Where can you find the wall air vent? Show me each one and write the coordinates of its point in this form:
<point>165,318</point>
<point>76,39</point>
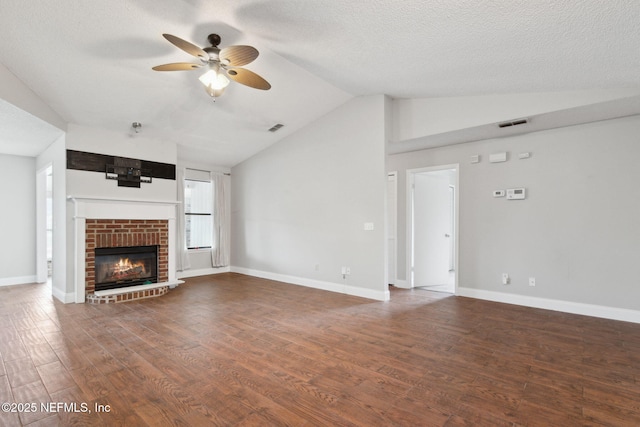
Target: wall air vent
<point>513,123</point>
<point>275,127</point>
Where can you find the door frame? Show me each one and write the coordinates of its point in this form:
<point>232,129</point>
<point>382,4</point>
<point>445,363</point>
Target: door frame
<point>392,230</point>
<point>410,179</point>
<point>41,223</point>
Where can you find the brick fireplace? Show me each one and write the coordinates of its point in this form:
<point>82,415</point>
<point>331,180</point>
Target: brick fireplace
<point>110,223</point>
<point>115,233</point>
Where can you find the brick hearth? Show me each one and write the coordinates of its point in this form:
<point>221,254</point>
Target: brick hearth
<point>110,233</point>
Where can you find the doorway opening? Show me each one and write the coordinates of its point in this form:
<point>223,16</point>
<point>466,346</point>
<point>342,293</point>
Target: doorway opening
<point>49,238</point>
<point>44,233</point>
<point>432,228</point>
<point>392,228</point>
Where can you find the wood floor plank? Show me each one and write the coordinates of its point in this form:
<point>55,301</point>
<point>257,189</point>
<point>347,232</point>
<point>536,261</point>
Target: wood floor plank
<point>41,354</point>
<point>22,322</point>
<point>628,398</point>
<point>13,349</point>
<point>79,410</point>
<point>7,418</point>
<point>21,372</point>
<point>5,389</point>
<point>468,417</point>
<point>32,336</point>
<point>10,419</point>
<point>120,412</point>
<point>49,421</point>
<point>91,381</point>
<point>55,376</point>
<point>569,402</point>
<point>408,412</point>
<point>102,359</point>
<point>33,393</point>
<point>233,350</point>
<point>72,357</point>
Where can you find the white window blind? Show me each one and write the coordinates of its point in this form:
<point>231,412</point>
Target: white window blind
<point>198,209</point>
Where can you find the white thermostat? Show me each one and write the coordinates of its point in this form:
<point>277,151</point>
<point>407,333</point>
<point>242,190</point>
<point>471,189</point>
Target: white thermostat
<point>516,193</point>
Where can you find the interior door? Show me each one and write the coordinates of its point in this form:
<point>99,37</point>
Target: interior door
<point>432,225</point>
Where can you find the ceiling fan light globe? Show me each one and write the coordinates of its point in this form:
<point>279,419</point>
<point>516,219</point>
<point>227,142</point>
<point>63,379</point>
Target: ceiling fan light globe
<point>214,93</point>
<point>214,80</point>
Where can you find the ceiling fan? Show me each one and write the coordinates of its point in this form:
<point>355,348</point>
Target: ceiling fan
<point>220,64</point>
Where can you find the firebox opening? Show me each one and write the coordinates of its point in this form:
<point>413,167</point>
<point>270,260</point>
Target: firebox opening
<point>121,267</point>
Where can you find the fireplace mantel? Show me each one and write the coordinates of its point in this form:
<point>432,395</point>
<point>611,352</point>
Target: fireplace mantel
<point>110,208</point>
<point>103,208</point>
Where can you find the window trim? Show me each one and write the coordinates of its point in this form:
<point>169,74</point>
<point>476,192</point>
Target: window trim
<point>210,214</point>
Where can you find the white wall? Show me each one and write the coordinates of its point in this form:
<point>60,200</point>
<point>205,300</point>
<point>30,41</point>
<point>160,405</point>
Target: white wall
<point>125,144</point>
<point>55,155</point>
<point>420,117</point>
<point>298,207</point>
<point>17,220</point>
<point>17,93</point>
<point>577,232</point>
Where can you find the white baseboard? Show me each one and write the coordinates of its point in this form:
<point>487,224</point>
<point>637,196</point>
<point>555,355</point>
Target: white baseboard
<point>201,272</point>
<point>593,310</point>
<point>316,284</point>
<point>402,284</point>
<point>20,280</point>
<point>66,298</point>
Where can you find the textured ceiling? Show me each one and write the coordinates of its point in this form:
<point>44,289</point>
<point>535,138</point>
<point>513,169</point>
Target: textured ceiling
<point>434,48</point>
<point>22,134</point>
<point>91,61</point>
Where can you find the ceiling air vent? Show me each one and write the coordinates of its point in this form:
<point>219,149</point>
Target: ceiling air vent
<point>513,123</point>
<point>275,127</point>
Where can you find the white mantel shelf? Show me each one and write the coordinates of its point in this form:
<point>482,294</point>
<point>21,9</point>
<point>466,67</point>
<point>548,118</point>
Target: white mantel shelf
<point>110,208</point>
<point>111,199</point>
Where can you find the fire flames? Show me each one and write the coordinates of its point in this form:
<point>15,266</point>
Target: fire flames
<point>125,269</point>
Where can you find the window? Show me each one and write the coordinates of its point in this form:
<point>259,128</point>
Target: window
<point>198,210</point>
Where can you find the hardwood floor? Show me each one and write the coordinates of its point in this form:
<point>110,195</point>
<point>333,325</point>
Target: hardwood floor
<point>234,350</point>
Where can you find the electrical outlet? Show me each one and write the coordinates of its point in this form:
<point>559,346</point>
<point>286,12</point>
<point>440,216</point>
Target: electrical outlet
<point>532,281</point>
<point>505,278</point>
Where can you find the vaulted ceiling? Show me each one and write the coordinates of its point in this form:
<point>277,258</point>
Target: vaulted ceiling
<point>91,61</point>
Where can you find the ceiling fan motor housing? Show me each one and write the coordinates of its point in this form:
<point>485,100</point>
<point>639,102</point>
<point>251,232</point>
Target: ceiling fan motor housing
<point>214,53</point>
<point>214,39</point>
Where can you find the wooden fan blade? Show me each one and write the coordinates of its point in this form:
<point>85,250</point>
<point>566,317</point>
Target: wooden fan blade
<point>248,78</point>
<point>190,48</point>
<point>177,66</point>
<point>237,56</point>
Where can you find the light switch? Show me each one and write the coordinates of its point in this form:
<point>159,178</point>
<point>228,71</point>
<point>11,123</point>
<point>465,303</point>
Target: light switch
<point>498,157</point>
<point>368,226</point>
